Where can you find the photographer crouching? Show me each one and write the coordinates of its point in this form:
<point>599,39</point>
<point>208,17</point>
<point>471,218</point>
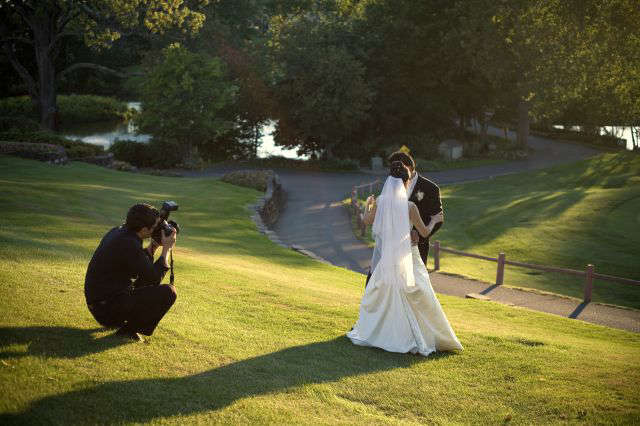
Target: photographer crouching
<point>122,286</point>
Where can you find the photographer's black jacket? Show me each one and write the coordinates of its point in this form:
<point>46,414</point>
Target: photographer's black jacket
<point>119,259</point>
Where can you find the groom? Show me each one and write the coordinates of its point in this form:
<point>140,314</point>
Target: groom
<point>426,195</point>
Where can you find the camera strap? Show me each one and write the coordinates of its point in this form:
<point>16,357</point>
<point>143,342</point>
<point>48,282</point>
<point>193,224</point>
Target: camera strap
<point>171,266</point>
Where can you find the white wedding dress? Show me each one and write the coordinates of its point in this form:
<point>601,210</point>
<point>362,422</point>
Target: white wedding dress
<point>399,311</point>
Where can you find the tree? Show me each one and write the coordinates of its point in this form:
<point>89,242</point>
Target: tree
<point>236,32</point>
<point>183,97</point>
<point>44,24</point>
<point>322,96</point>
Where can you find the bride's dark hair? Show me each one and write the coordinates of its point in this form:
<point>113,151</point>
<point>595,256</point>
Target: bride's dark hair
<point>397,170</point>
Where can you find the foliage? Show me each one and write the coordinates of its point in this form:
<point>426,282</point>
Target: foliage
<point>74,148</point>
<point>20,124</point>
<point>157,153</point>
<point>72,108</point>
<point>257,332</point>
<point>323,96</point>
<point>37,151</point>
<point>42,26</point>
<point>183,97</point>
<point>256,179</point>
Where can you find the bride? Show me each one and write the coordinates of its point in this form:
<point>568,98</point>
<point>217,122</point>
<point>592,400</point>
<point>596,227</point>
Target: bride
<point>399,311</point>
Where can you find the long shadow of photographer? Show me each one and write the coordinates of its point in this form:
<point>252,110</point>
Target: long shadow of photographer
<point>148,399</point>
<point>55,342</point>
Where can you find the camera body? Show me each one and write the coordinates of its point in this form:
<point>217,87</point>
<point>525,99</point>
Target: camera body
<point>164,225</point>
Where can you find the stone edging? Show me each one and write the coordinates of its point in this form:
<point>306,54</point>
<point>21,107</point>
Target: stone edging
<point>273,201</point>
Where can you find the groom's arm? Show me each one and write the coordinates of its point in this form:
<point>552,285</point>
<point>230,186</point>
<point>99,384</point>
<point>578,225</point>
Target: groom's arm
<point>436,208</point>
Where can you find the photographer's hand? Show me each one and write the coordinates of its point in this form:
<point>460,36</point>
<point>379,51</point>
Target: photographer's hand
<point>152,247</point>
<point>168,241</point>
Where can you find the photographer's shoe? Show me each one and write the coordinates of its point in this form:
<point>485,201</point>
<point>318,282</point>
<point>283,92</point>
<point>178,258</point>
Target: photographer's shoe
<point>128,334</point>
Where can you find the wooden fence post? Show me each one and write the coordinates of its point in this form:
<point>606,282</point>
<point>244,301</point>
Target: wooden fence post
<point>436,256</point>
<point>354,200</point>
<point>500,273</point>
<point>588,283</point>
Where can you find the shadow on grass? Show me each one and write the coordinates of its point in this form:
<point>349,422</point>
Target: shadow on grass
<point>55,342</point>
<point>149,399</point>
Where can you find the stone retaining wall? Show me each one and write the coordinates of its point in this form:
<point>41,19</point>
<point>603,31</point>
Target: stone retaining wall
<point>273,202</point>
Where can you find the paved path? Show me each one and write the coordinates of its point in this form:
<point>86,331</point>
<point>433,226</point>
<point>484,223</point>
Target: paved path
<point>315,219</point>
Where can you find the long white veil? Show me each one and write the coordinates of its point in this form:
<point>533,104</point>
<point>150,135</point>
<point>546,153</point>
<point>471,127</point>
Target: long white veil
<point>391,229</point>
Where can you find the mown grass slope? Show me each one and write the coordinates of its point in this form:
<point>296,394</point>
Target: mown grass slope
<point>257,332</point>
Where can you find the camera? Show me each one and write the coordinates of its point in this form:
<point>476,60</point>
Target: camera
<point>164,225</point>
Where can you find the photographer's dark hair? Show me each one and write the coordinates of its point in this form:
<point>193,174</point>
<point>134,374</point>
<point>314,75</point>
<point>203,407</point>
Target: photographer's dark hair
<point>404,158</point>
<point>141,215</point>
<point>398,170</point>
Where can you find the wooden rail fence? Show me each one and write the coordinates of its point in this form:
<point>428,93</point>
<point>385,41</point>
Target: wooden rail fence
<point>589,273</point>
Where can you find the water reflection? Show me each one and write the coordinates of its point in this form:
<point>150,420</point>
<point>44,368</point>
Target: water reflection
<point>106,133</point>
<point>268,148</point>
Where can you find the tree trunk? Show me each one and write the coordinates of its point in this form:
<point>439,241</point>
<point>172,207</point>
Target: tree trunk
<point>256,140</point>
<point>484,127</point>
<point>523,123</point>
<point>47,102</point>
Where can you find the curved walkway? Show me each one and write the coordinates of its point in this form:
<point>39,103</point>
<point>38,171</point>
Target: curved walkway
<point>316,220</point>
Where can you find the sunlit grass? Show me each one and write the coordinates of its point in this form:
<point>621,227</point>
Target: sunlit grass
<point>257,332</point>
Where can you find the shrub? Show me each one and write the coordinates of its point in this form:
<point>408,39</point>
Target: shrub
<point>72,108</point>
<point>17,106</point>
<point>157,153</point>
<point>75,149</point>
<point>88,108</point>
<point>21,124</point>
<point>256,179</point>
<point>35,151</point>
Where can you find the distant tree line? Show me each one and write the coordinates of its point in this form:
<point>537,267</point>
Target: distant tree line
<point>341,78</point>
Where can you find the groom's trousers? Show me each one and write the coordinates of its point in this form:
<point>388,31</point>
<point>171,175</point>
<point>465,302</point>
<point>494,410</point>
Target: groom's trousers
<point>423,248</point>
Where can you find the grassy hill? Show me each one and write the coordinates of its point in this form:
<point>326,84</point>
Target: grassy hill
<point>257,332</point>
<point>567,216</point>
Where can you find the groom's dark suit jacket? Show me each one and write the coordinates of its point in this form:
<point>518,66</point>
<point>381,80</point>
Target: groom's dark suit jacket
<point>426,195</point>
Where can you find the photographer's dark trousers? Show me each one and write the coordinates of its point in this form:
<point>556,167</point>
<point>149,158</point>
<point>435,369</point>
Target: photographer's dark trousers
<point>139,310</point>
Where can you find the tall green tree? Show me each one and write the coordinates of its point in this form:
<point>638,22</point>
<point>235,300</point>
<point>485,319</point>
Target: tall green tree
<point>184,97</point>
<point>42,25</point>
<point>322,96</point>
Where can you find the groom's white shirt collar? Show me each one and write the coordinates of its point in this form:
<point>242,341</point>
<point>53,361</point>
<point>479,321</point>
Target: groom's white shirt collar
<point>412,183</point>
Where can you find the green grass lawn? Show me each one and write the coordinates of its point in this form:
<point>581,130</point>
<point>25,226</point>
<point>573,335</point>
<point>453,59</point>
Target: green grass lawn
<point>567,216</point>
<point>257,332</point>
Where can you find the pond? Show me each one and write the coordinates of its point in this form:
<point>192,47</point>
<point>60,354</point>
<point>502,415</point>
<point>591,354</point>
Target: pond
<point>104,134</point>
